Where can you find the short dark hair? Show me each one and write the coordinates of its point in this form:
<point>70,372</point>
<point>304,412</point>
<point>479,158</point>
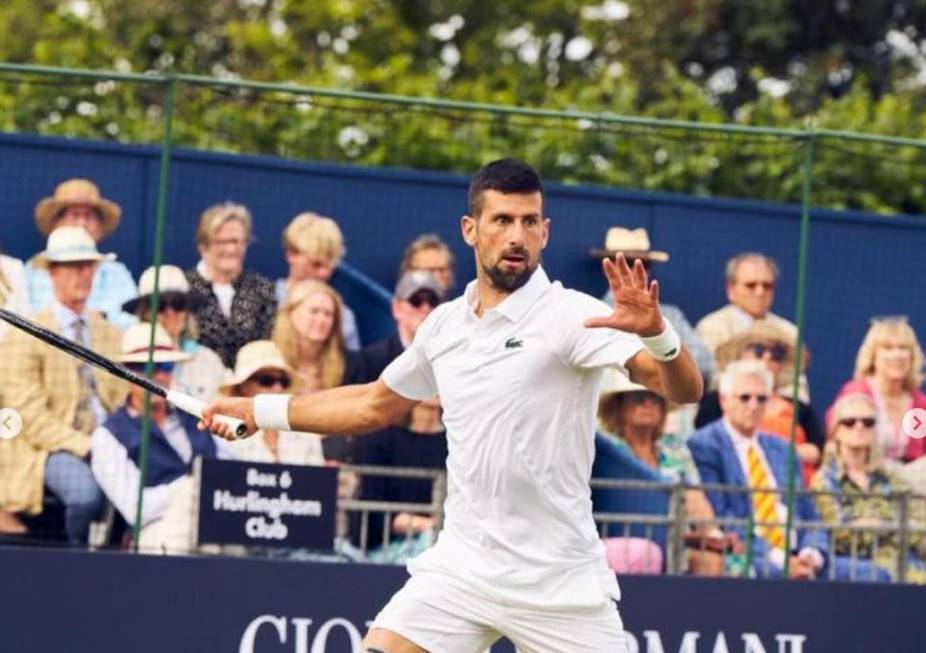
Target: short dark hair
<point>504,176</point>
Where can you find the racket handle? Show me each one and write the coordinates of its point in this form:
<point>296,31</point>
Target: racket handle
<point>195,407</point>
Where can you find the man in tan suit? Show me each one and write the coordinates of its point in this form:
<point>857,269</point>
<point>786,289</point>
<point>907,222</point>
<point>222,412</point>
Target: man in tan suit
<point>751,282</point>
<point>61,399</point>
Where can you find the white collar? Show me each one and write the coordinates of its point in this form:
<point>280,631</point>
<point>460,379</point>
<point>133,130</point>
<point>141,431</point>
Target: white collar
<point>515,305</point>
<point>65,316</point>
<point>739,438</point>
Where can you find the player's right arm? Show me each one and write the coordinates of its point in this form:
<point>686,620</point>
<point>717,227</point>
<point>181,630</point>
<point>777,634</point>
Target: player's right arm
<point>347,410</point>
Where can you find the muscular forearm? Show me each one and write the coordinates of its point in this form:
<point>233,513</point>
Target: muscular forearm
<point>680,378</point>
<point>348,410</point>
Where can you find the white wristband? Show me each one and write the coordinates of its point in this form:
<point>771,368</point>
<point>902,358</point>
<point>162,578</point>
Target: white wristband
<point>666,346</point>
<point>272,412</point>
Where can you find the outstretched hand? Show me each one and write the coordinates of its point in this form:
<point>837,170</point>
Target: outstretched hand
<point>241,408</point>
<point>636,299</point>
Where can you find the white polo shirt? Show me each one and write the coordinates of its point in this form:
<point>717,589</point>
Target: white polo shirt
<point>519,388</point>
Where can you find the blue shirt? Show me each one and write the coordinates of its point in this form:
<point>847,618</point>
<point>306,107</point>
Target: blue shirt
<point>112,287</point>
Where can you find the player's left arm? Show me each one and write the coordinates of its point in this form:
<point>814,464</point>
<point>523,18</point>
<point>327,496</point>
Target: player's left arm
<point>665,365</point>
<point>678,380</point>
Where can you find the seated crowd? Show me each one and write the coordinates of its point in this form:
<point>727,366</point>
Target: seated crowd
<point>221,328</point>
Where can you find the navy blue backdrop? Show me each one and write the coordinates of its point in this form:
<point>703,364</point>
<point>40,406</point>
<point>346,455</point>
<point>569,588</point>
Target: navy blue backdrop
<point>95,603</point>
<point>860,265</point>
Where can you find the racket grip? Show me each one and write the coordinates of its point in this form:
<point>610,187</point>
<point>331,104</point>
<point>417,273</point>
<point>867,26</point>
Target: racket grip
<point>195,407</point>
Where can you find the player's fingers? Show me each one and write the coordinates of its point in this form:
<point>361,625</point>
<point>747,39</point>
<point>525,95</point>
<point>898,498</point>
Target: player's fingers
<point>654,290</point>
<point>610,273</point>
<point>597,322</point>
<point>623,270</point>
<point>639,274</point>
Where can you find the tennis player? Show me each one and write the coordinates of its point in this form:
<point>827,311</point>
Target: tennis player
<point>517,362</point>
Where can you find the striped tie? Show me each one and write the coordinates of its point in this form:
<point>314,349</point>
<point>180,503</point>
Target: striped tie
<point>763,503</point>
<point>84,419</point>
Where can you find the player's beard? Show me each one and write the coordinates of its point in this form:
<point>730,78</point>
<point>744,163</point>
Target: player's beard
<point>510,281</point>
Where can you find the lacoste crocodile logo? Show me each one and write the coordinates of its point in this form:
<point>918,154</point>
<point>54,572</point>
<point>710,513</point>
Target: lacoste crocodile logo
<point>514,343</point>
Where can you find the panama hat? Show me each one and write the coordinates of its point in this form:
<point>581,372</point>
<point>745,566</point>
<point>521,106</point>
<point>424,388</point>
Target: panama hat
<point>69,245</point>
<point>633,243</point>
<point>254,356</point>
<point>76,191</point>
<point>172,280</point>
<point>136,345</point>
<point>761,331</point>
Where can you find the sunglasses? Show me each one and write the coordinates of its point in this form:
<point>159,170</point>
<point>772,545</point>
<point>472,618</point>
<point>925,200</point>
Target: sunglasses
<point>746,397</point>
<point>638,397</point>
<point>175,302</point>
<point>270,380</point>
<point>850,422</point>
<point>766,285</point>
<point>778,352</point>
<point>165,368</point>
<point>423,297</point>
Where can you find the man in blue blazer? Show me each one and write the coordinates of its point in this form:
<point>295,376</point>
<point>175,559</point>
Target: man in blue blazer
<point>732,449</point>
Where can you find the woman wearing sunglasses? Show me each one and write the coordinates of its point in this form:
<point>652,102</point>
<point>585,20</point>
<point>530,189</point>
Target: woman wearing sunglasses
<point>889,369</point>
<point>261,369</point>
<point>202,372</point>
<point>862,486</point>
<point>634,417</point>
<point>766,343</point>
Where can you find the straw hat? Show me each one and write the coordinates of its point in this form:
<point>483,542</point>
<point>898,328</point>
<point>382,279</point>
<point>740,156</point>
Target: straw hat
<point>76,191</point>
<point>254,356</point>
<point>761,331</point>
<point>136,343</point>
<point>69,245</point>
<point>633,243</point>
<point>172,280</point>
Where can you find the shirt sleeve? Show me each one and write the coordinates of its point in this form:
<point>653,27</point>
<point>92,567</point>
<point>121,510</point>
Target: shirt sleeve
<point>588,348</point>
<point>411,374</point>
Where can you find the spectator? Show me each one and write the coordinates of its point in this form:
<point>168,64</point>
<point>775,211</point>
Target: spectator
<point>14,291</point>
<point>201,372</point>
<point>635,245</point>
<point>732,451</point>
<point>431,254</point>
<point>862,488</point>
<point>422,443</point>
<point>174,441</point>
<point>308,332</point>
<point>60,398</point>
<point>751,281</point>
<point>634,417</point>
<point>260,368</point>
<point>78,203</point>
<point>234,305</point>
<point>767,343</point>
<point>889,369</point>
<point>314,246</point>
<point>416,294</point>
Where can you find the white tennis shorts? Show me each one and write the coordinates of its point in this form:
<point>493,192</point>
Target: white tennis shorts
<point>442,615</point>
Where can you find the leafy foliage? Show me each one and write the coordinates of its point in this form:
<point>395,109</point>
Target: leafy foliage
<point>782,63</point>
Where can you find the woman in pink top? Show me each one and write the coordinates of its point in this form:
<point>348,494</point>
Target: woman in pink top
<point>889,369</point>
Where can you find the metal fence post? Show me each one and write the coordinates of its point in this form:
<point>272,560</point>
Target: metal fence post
<point>163,179</point>
<point>903,514</point>
<point>809,146</point>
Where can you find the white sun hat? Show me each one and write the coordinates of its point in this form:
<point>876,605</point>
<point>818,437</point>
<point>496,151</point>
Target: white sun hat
<point>254,356</point>
<point>136,343</point>
<point>69,245</point>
